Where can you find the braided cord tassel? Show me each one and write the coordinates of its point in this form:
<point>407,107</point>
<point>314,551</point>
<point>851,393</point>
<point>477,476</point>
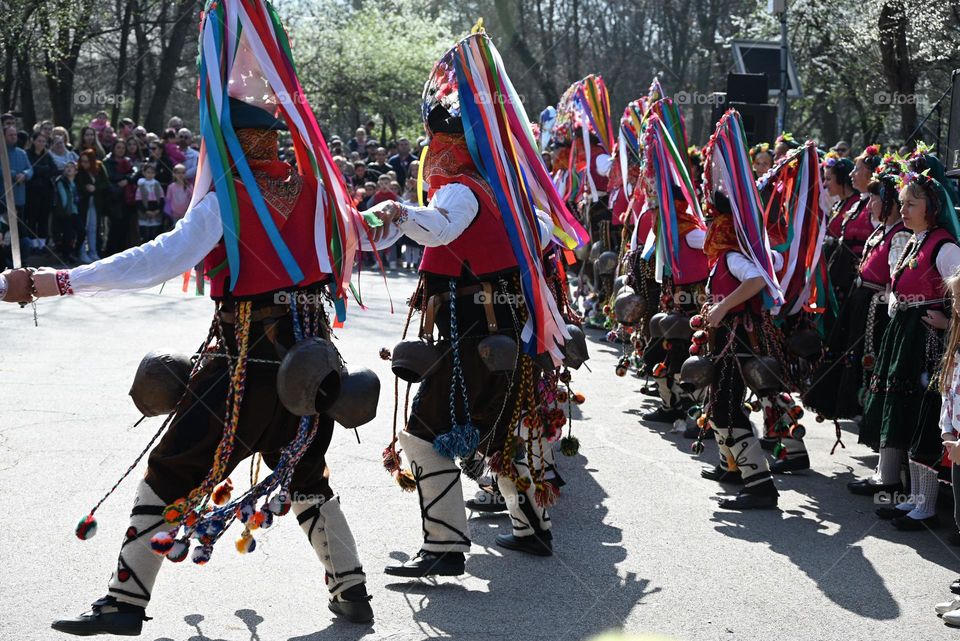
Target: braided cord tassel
<point>463,438</point>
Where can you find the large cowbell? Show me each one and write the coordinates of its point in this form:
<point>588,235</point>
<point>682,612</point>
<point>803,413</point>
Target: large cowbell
<point>312,380</point>
<point>160,381</point>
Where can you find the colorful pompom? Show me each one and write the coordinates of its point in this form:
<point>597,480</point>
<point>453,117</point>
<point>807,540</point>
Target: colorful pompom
<point>385,354</point>
<point>569,445</point>
<point>173,513</point>
<point>202,554</point>
<point>256,520</point>
<point>161,543</point>
<point>86,528</point>
<point>178,552</point>
<point>221,493</point>
<point>244,511</point>
<point>246,543</point>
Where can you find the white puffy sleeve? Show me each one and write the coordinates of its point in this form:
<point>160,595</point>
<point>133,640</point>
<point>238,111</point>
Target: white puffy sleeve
<point>742,267</point>
<point>449,213</point>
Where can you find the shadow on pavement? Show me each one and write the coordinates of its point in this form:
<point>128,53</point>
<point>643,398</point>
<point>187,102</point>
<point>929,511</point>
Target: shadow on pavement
<point>574,594</point>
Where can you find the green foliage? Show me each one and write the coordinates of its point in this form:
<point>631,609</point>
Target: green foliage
<point>366,60</point>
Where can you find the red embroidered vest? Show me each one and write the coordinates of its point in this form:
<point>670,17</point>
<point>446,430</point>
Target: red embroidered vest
<point>919,280</point>
<point>721,283</point>
<point>483,248</point>
<point>693,265</point>
<point>261,271</point>
<point>835,226</point>
<point>875,265</point>
<point>858,227</point>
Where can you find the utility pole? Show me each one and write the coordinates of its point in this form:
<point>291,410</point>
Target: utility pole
<point>779,8</point>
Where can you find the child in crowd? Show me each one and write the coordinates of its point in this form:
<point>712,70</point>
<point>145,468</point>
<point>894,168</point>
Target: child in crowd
<point>66,210</point>
<point>384,191</point>
<point>178,195</point>
<point>149,204</point>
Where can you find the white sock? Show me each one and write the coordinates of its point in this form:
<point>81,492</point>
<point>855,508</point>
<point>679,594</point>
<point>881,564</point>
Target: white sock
<point>923,490</point>
<point>888,468</point>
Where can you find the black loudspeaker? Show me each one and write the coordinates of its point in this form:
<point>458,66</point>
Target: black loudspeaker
<point>719,101</point>
<point>747,87</point>
<point>952,159</point>
<point>759,121</point>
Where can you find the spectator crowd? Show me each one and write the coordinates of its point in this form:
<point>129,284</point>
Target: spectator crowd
<point>112,187</point>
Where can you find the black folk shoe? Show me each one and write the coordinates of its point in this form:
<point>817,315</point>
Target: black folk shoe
<point>749,501</point>
<point>106,616</point>
<point>353,605</point>
<point>865,488</point>
<point>721,475</point>
<point>538,544</point>
<point>429,564</point>
<point>890,512</point>
<point>798,464</point>
<point>907,524</point>
<point>663,415</point>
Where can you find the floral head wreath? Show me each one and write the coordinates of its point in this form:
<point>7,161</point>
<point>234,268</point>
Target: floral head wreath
<point>922,178</point>
<point>761,148</point>
<point>787,138</point>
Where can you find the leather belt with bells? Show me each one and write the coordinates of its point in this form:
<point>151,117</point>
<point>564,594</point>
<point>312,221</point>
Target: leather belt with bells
<point>428,320</point>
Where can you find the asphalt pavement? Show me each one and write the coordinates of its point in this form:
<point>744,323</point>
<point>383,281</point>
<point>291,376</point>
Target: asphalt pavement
<point>640,543</point>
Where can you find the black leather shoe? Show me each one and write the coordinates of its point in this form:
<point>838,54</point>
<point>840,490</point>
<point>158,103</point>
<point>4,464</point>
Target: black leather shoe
<point>540,544</point>
<point>721,475</point>
<point>488,500</point>
<point>748,501</point>
<point>955,586</point>
<point>906,524</point>
<point>954,539</point>
<point>106,616</point>
<point>865,488</point>
<point>889,513</point>
<point>663,415</point>
<point>650,390</point>
<point>797,464</point>
<point>429,564</point>
<point>353,605</point>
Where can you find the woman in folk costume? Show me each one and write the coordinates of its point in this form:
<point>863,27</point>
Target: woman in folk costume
<point>676,251</point>
<point>741,286</point>
<point>839,384</point>
<point>484,291</point>
<point>264,379</point>
<point>854,226</point>
<point>902,407</point>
